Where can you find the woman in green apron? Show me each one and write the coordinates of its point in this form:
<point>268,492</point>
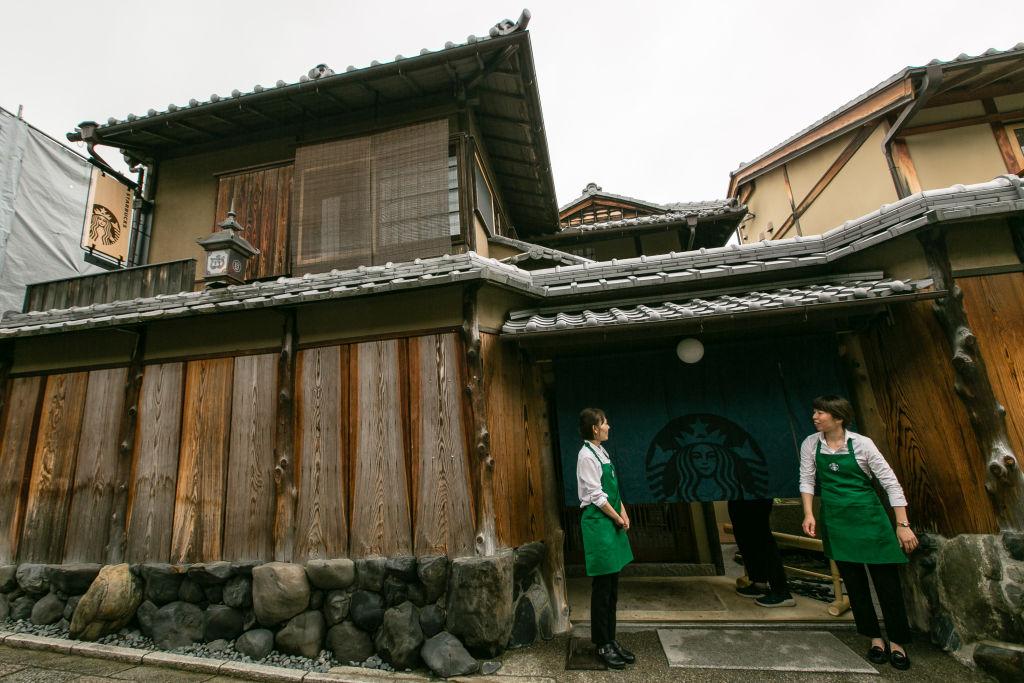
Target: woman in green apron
<point>854,527</point>
<point>605,543</point>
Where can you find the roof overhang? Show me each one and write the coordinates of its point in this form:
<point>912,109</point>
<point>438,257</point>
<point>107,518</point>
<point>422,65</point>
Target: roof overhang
<point>493,76</point>
<point>990,74</point>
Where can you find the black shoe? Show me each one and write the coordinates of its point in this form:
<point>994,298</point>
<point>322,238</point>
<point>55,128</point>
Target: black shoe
<point>754,590</point>
<point>899,660</point>
<point>775,600</point>
<point>611,658</point>
<point>878,655</point>
<point>626,656</point>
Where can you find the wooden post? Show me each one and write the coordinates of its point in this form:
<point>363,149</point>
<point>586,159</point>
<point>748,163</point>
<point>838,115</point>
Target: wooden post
<point>284,445</point>
<point>117,533</point>
<point>1004,481</point>
<point>486,536</point>
<point>554,536</point>
<point>1016,224</point>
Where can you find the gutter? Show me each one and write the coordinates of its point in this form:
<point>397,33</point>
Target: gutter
<point>929,86</point>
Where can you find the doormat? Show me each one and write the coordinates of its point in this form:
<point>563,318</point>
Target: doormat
<point>760,650</point>
<point>643,595</point>
<point>582,656</point>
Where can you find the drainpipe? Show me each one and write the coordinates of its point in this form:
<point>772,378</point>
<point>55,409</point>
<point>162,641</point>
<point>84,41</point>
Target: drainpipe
<point>929,86</point>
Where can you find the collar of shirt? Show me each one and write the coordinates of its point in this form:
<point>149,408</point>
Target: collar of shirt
<point>598,451</point>
<point>847,435</point>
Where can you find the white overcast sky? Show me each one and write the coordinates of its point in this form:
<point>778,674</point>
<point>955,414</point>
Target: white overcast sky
<point>657,100</point>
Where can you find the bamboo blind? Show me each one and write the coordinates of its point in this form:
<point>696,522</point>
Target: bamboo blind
<point>371,200</point>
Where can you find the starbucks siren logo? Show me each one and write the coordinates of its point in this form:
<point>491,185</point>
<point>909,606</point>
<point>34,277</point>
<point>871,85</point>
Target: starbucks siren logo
<point>705,457</point>
<point>104,227</point>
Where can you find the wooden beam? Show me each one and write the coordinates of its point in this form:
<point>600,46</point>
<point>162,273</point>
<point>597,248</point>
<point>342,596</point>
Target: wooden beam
<point>1004,480</point>
<point>486,533</point>
<point>988,117</point>
<point>1013,69</point>
<point>905,165</point>
<point>844,157</point>
<point>792,204</point>
<point>117,532</point>
<point>285,491</point>
<point>1011,87</point>
<point>1001,137</point>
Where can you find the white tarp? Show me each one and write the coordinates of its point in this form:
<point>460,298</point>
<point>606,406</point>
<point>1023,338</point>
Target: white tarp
<point>43,191</point>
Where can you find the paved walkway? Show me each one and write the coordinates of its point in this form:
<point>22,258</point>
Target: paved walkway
<point>543,663</point>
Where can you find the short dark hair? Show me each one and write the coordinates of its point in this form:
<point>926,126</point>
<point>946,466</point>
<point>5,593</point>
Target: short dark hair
<point>590,418</point>
<point>836,406</point>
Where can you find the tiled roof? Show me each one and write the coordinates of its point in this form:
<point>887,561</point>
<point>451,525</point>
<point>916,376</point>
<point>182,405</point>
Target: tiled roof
<point>898,76</point>
<point>676,215</point>
<point>536,252</point>
<point>730,305</point>
<point>285,291</point>
<point>701,208</point>
<point>685,270</point>
<point>1003,195</point>
<point>322,71</point>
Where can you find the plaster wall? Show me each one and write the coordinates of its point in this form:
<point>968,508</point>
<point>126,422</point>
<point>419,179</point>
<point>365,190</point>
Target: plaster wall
<point>947,112</point>
<point>661,243</point>
<point>88,349</point>
<point>1010,102</point>
<point>186,196</point>
<point>381,316</point>
<point>769,205</point>
<point>956,156</point>
<point>225,334</point>
<point>862,186</point>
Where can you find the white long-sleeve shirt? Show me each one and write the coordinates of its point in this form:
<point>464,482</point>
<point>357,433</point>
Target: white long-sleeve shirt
<point>588,476</point>
<point>868,457</point>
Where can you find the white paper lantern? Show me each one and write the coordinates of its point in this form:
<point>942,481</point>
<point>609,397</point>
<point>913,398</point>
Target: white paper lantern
<point>690,350</point>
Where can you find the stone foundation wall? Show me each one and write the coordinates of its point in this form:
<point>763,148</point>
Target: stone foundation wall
<point>407,611</point>
<point>968,591</point>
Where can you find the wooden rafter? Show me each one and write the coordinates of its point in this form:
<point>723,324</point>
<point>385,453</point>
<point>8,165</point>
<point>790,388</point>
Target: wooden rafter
<point>988,117</point>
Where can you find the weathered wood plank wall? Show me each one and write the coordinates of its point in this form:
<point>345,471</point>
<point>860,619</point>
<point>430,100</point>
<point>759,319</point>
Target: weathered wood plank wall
<point>442,510</point>
<point>155,464</point>
<point>518,498</point>
<point>21,413</point>
<point>382,456</point>
<point>381,522</point>
<point>249,510</point>
<point>995,309</point>
<point>96,473</point>
<point>202,462</point>
<point>53,468</point>
<point>321,519</point>
<point>928,438</point>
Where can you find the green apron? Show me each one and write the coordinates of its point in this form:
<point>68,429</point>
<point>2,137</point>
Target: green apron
<point>854,526</point>
<point>605,546</point>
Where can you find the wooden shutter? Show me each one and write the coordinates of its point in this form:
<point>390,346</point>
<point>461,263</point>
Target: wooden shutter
<point>262,202</point>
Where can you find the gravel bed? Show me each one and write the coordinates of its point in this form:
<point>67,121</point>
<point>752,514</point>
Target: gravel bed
<point>221,649</point>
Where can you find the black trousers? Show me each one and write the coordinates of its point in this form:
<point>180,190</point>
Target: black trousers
<point>751,525</point>
<point>604,598</point>
<point>886,578</point>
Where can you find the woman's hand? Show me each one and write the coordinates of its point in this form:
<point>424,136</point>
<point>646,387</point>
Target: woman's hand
<point>810,528</point>
<point>907,538</point>
<point>625,518</point>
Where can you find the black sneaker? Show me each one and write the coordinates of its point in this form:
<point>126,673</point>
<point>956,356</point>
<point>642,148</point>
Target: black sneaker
<point>627,656</point>
<point>772,600</point>
<point>754,590</point>
<point>611,658</point>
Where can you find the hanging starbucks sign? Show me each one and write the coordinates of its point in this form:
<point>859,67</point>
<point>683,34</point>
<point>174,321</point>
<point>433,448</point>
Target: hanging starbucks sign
<point>108,214</point>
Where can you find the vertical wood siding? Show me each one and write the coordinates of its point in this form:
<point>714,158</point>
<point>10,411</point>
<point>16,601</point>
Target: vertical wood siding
<point>202,462</point>
<point>929,440</point>
<point>249,513</point>
<point>382,461</point>
<point>19,425</point>
<point>995,309</point>
<point>53,468</point>
<point>443,515</point>
<point>518,497</point>
<point>380,502</point>
<point>321,519</point>
<point>155,464</point>
<point>96,471</point>
<point>262,201</point>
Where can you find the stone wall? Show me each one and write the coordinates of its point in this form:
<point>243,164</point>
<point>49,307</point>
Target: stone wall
<point>967,593</point>
<point>407,611</point>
